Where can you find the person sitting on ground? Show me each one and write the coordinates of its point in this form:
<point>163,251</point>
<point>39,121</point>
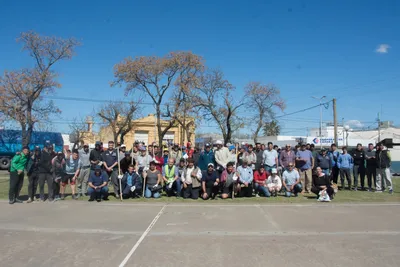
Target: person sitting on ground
<point>274,182</point>
<point>260,182</point>
<point>131,183</point>
<point>153,182</point>
<point>210,182</point>
<point>181,166</point>
<point>291,181</point>
<point>97,182</point>
<point>245,175</point>
<point>171,179</point>
<point>228,180</point>
<point>126,162</point>
<point>321,182</point>
<point>191,179</point>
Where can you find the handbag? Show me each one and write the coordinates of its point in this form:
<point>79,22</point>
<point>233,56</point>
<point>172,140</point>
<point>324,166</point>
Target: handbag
<point>155,188</point>
<point>323,196</point>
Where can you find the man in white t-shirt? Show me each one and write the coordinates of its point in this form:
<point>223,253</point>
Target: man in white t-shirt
<point>270,158</point>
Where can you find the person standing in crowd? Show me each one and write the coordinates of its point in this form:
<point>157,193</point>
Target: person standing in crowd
<point>259,154</point>
<point>33,174</point>
<point>321,182</point>
<point>72,167</point>
<point>263,147</point>
<point>172,179</point>
<point>210,183</point>
<point>166,156</point>
<point>345,164</point>
<point>260,182</point>
<point>45,172</point>
<point>58,167</point>
<point>233,156</point>
<point>305,162</point>
<point>95,155</point>
<point>291,181</point>
<point>334,155</point>
<point>158,159</point>
<point>143,162</point>
<point>97,183</point>
<point>270,158</point>
<point>110,165</point>
<point>191,180</point>
<point>383,174</point>
<point>274,183</point>
<point>196,156</point>
<point>245,184</point>
<point>222,156</point>
<point>84,172</point>
<point>287,157</point>
<point>228,180</point>
<point>314,152</point>
<point>153,181</point>
<point>135,151</point>
<point>251,157</point>
<point>371,166</point>
<point>190,150</point>
<point>241,156</point>
<point>131,183</point>
<point>358,166</point>
<point>126,161</point>
<point>18,165</point>
<point>175,153</point>
<point>122,150</point>
<point>323,161</point>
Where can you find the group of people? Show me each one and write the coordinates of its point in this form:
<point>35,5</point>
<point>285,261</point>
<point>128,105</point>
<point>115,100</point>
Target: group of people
<point>185,171</point>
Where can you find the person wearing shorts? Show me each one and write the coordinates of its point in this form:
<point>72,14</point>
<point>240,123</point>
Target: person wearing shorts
<point>72,168</point>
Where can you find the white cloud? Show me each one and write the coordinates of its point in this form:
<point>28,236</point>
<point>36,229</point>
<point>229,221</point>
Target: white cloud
<point>355,123</point>
<point>382,49</point>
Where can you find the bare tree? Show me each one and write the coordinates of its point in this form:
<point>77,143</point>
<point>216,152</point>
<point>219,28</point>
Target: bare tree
<point>119,116</point>
<point>77,127</point>
<point>266,100</point>
<point>213,97</point>
<point>22,90</point>
<point>155,76</point>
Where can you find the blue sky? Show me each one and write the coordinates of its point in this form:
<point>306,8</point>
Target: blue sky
<point>306,48</point>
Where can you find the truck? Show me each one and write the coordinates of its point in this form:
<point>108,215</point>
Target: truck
<point>11,143</point>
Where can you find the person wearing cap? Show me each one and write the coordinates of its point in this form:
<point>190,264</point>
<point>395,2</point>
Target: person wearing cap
<point>172,181</point>
<point>222,156</point>
<point>359,157</point>
<point>131,183</point>
<point>270,158</point>
<point>97,183</point>
<point>175,153</point>
<point>45,172</point>
<point>58,167</point>
<point>345,164</point>
<point>210,182</point>
<point>166,156</point>
<point>383,175</point>
<point>72,167</point>
<point>95,156</point>
<point>334,155</point>
<point>126,161</point>
<point>153,182</point>
<point>245,181</point>
<point>233,155</point>
<point>191,180</point>
<point>260,182</point>
<point>33,174</point>
<point>135,151</point>
<point>371,166</point>
<point>291,181</point>
<point>110,166</point>
<point>84,172</point>
<point>144,159</point>
<point>323,161</point>
<point>274,183</point>
<point>206,157</point>
<point>18,166</point>
<point>305,163</point>
<point>122,151</point>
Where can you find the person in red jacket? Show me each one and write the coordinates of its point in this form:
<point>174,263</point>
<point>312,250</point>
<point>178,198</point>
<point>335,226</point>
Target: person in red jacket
<point>260,182</point>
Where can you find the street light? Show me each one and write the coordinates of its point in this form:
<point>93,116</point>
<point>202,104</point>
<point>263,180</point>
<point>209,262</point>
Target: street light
<point>347,129</point>
<point>320,114</point>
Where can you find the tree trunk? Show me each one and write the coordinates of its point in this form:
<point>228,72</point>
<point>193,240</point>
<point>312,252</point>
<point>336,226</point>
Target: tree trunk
<point>160,133</point>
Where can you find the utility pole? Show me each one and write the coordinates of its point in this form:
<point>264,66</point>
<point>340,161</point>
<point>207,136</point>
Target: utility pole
<point>335,133</point>
<point>379,127</point>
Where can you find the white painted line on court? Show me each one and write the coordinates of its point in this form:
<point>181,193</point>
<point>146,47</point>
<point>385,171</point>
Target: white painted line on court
<point>142,237</point>
<point>268,217</point>
<point>13,228</point>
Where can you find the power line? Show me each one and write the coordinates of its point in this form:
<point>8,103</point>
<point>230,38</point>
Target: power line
<point>81,99</point>
<point>299,111</point>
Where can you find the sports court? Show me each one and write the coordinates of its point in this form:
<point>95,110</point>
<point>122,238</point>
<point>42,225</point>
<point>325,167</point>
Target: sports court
<point>74,233</point>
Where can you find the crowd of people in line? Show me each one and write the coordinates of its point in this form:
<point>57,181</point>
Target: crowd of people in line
<point>224,171</point>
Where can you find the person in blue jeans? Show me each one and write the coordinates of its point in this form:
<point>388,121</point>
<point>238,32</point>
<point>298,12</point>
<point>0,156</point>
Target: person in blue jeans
<point>98,185</point>
<point>291,181</point>
<point>260,182</point>
<point>153,180</point>
<point>345,164</point>
<point>172,181</point>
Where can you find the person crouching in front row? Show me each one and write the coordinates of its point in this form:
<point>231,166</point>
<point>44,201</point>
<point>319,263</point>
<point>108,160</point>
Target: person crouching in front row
<point>210,182</point>
<point>274,182</point>
<point>98,185</point>
<point>321,182</point>
<point>131,183</point>
<point>245,175</point>
<point>191,179</point>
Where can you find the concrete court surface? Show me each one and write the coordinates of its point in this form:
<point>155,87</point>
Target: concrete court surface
<point>194,234</point>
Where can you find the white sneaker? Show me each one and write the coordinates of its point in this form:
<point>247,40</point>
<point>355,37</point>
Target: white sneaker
<point>257,195</point>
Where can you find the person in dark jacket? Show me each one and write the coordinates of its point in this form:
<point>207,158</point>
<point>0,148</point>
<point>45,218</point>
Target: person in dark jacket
<point>126,162</point>
<point>196,156</point>
<point>358,166</point>
<point>210,182</point>
<point>323,161</point>
<point>383,174</point>
<point>321,182</point>
<point>45,172</point>
<point>33,174</point>
<point>97,182</point>
<point>259,154</point>
<point>371,166</point>
<point>95,155</point>
<point>206,157</point>
<point>131,183</point>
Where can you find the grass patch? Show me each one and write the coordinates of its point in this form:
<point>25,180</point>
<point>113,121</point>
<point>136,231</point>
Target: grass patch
<point>341,197</point>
